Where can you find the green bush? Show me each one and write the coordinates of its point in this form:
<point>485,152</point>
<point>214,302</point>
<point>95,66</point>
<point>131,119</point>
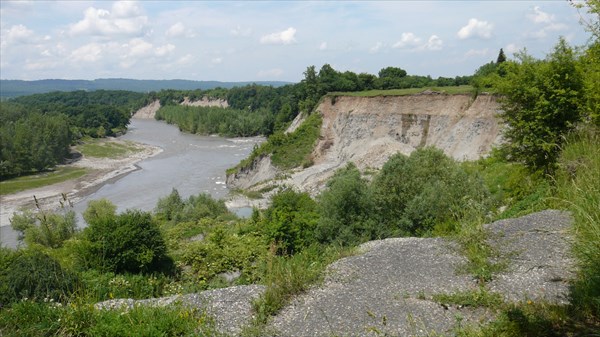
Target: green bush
<point>173,208</point>
<point>129,242</point>
<point>49,229</point>
<point>290,221</point>
<point>32,274</point>
<point>223,250</point>
<point>413,194</point>
<point>346,209</point>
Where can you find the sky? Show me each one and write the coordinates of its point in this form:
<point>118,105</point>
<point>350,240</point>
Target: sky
<point>271,41</point>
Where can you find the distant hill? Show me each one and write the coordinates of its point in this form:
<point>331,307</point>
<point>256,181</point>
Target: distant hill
<point>15,88</point>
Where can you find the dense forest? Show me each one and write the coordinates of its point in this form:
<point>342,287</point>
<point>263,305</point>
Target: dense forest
<point>36,131</point>
<point>551,159</point>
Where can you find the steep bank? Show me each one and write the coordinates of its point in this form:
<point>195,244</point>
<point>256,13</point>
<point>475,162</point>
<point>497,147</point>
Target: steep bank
<point>368,130</point>
<point>149,111</point>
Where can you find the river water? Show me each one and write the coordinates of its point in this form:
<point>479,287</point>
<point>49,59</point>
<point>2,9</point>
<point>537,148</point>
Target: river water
<point>189,163</point>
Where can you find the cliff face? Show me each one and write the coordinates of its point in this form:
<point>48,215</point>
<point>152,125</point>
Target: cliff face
<point>368,130</point>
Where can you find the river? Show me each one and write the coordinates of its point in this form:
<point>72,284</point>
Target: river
<point>189,163</point>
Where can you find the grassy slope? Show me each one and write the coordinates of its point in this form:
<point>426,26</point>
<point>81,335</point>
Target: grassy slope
<point>40,179</point>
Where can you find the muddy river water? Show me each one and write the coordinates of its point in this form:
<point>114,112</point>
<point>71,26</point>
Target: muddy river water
<point>189,163</point>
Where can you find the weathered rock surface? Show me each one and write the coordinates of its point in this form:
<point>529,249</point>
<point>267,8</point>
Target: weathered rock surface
<point>384,289</point>
<point>231,307</point>
<point>540,263</point>
<point>387,289</point>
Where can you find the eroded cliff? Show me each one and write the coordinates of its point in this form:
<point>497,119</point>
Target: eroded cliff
<point>368,130</point>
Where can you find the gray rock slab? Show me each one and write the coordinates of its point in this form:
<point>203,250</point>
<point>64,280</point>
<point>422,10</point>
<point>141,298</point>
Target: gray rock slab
<point>384,290</point>
<point>231,307</point>
<point>540,260</point>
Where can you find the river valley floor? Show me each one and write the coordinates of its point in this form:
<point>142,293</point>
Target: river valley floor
<point>100,172</point>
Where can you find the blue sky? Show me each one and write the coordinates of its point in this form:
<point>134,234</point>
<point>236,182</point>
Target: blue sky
<point>251,41</point>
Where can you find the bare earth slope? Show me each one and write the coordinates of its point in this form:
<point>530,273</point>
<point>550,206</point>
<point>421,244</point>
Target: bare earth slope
<point>368,130</point>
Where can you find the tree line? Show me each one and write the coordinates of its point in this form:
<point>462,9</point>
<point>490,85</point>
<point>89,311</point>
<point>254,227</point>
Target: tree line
<point>36,131</point>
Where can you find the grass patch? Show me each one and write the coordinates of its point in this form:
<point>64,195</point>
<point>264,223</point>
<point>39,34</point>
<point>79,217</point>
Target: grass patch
<point>454,90</point>
<point>473,298</point>
<point>483,260</point>
<point>578,190</point>
<point>104,149</point>
<point>40,179</point>
<point>534,319</point>
<point>287,150</point>
<point>29,318</point>
<point>287,276</point>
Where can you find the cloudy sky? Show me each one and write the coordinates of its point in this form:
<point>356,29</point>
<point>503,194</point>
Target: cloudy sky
<point>246,41</point>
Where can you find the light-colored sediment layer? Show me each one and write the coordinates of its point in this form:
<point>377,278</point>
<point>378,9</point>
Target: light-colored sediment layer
<point>368,130</point>
<point>101,171</point>
<point>206,102</point>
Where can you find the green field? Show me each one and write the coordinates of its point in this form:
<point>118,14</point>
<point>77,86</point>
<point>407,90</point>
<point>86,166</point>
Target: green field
<point>40,179</point>
<point>103,149</point>
<point>463,89</point>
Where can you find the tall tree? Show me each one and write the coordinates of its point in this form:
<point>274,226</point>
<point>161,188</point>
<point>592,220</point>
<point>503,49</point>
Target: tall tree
<point>542,102</point>
<point>501,57</point>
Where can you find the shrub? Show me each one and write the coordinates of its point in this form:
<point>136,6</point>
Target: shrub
<point>48,229</point>
<point>412,194</point>
<point>346,209</point>
<point>290,221</point>
<point>129,242</point>
<point>33,274</point>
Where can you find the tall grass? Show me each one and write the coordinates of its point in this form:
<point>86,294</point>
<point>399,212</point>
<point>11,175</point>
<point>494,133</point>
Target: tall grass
<point>578,189</point>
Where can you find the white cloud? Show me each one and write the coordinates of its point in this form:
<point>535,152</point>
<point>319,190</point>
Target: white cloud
<point>376,48</point>
<point>407,40</point>
<point>164,50</point>
<point>185,59</point>
<point>539,16</point>
<point>91,52</point>
<point>434,43</point>
<point>138,48</point>
<point>285,37</point>
<point>323,46</point>
<point>17,34</point>
<point>217,60</point>
<point>511,48</point>
<point>477,52</point>
<point>476,28</point>
<point>270,73</point>
<point>239,31</point>
<point>176,30</point>
<point>125,19</point>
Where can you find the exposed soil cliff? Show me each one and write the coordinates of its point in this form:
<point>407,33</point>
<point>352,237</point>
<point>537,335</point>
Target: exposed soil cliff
<point>149,111</point>
<point>368,130</point>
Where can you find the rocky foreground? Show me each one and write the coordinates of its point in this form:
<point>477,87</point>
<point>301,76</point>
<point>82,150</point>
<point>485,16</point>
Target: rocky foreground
<point>387,288</point>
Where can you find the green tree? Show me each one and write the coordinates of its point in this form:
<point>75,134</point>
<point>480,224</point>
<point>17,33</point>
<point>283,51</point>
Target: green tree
<point>49,229</point>
<point>290,221</point>
<point>346,208</point>
<point>128,242</point>
<point>501,57</point>
<point>541,103</point>
<point>414,194</point>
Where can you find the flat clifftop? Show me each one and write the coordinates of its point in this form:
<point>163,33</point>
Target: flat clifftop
<point>368,130</point>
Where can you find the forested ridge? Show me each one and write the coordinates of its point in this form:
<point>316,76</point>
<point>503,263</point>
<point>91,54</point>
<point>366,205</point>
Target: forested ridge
<point>36,131</point>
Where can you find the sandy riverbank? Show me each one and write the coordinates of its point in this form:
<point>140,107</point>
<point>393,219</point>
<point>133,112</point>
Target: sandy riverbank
<point>101,171</point>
